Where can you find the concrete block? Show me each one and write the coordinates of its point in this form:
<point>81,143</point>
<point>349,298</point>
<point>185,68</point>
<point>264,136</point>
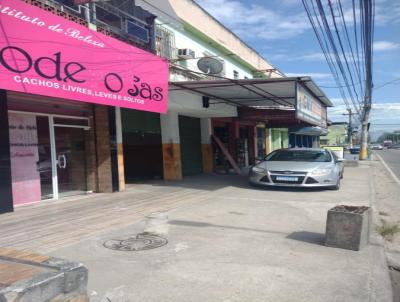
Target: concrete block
<point>36,278</point>
<point>348,227</point>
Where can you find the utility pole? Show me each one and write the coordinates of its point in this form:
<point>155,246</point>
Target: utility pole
<point>367,32</point>
<point>349,128</point>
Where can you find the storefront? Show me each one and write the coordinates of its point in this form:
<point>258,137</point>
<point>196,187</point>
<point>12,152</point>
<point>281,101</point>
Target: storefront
<point>266,111</point>
<point>60,106</point>
<point>242,139</point>
<point>306,137</point>
<point>39,129</point>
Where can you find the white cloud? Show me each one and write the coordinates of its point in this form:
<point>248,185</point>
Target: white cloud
<point>384,116</point>
<point>256,21</point>
<point>337,101</point>
<point>386,45</point>
<point>309,57</point>
<point>314,75</point>
<point>387,12</point>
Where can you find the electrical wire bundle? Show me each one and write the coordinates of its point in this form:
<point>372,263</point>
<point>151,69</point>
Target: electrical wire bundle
<point>345,35</point>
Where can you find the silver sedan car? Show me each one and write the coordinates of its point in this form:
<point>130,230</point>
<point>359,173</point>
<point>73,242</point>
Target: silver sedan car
<point>299,167</point>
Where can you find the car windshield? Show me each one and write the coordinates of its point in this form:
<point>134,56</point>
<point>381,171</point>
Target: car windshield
<point>299,155</point>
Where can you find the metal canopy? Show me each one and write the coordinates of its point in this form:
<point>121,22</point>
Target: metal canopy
<point>275,93</point>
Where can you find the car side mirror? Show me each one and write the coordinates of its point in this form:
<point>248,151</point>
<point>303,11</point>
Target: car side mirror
<point>340,160</point>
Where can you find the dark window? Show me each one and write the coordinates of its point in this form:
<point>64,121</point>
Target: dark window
<point>138,31</point>
<point>107,17</point>
<point>235,74</point>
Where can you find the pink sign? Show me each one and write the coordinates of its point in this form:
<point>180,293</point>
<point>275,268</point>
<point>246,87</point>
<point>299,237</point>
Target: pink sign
<point>41,53</point>
<point>24,158</point>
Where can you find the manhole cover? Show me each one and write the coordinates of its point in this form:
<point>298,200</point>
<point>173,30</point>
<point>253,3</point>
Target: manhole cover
<point>143,241</point>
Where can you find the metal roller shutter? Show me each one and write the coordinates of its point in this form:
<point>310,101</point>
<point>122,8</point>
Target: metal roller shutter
<point>190,141</point>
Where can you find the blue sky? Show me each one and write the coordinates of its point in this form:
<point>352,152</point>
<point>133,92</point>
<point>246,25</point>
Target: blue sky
<point>280,31</point>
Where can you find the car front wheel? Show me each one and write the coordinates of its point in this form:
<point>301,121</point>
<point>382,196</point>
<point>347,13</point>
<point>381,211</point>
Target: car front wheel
<point>336,187</point>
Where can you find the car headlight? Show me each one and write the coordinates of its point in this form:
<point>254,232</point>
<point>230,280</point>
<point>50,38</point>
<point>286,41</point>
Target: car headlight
<point>319,172</point>
<point>258,170</point>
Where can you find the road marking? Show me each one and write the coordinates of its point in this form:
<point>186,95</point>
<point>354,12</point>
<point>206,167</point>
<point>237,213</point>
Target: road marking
<point>396,179</point>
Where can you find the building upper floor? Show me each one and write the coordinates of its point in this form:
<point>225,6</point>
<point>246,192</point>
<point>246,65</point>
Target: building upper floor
<point>119,19</point>
<point>187,33</point>
<point>179,30</point>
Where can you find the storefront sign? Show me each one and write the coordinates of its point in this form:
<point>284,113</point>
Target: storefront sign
<point>41,53</point>
<point>309,109</point>
<point>24,157</point>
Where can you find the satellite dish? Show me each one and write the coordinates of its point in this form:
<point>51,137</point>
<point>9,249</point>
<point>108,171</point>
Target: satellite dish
<point>210,65</point>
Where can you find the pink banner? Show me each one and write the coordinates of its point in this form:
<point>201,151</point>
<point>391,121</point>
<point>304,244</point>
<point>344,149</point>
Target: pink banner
<point>41,53</point>
<point>24,158</point>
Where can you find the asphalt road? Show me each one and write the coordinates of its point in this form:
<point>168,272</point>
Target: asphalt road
<point>392,159</point>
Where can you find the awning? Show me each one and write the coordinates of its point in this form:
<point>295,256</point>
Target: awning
<point>163,10</point>
<point>274,93</point>
<point>313,131</point>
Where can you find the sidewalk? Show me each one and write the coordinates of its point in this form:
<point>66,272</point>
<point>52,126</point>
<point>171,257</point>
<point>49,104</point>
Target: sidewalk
<point>226,242</point>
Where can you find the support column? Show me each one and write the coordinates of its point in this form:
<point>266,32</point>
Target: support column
<point>206,147</point>
<point>171,146</point>
<point>120,150</point>
<point>6,197</point>
<point>104,171</point>
<point>90,159</point>
<point>233,137</point>
<point>268,142</point>
<point>252,144</point>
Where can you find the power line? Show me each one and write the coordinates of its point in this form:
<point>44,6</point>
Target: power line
<point>386,83</point>
<point>339,53</point>
<point>326,40</point>
<point>343,52</point>
<point>324,46</point>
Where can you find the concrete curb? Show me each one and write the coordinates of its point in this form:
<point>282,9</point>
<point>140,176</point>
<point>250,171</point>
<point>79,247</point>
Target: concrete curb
<point>381,261</point>
<point>40,278</point>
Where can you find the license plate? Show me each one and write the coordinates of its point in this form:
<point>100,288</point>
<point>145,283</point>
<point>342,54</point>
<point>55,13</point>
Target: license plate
<point>287,178</point>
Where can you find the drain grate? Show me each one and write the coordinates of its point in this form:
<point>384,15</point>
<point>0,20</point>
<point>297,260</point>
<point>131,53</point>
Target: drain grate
<point>142,241</point>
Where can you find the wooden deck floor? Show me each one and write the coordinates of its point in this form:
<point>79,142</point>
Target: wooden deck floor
<point>51,225</point>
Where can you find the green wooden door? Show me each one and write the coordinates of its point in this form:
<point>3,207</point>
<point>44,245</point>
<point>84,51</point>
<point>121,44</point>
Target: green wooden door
<point>190,140</point>
<point>276,144</point>
<point>285,138</point>
<point>143,157</point>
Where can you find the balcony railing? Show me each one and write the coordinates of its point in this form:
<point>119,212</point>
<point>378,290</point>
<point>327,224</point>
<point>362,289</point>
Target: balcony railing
<point>165,43</point>
<point>83,15</point>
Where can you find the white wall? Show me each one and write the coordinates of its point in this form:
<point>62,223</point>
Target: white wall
<point>194,15</point>
<point>191,104</point>
<point>184,39</point>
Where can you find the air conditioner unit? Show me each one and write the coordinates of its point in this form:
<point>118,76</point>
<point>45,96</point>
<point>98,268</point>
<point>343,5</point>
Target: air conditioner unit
<point>186,53</point>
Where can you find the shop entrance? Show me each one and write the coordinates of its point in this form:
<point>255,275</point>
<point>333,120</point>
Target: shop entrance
<point>190,141</point>
<point>143,157</point>
<point>48,157</point>
<point>70,154</point>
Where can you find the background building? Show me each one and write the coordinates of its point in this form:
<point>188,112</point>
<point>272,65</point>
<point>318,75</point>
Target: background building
<point>337,135</point>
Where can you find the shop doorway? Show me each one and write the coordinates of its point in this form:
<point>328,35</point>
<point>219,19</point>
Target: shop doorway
<point>48,156</point>
<point>190,142</point>
<point>70,154</point>
<point>141,135</point>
